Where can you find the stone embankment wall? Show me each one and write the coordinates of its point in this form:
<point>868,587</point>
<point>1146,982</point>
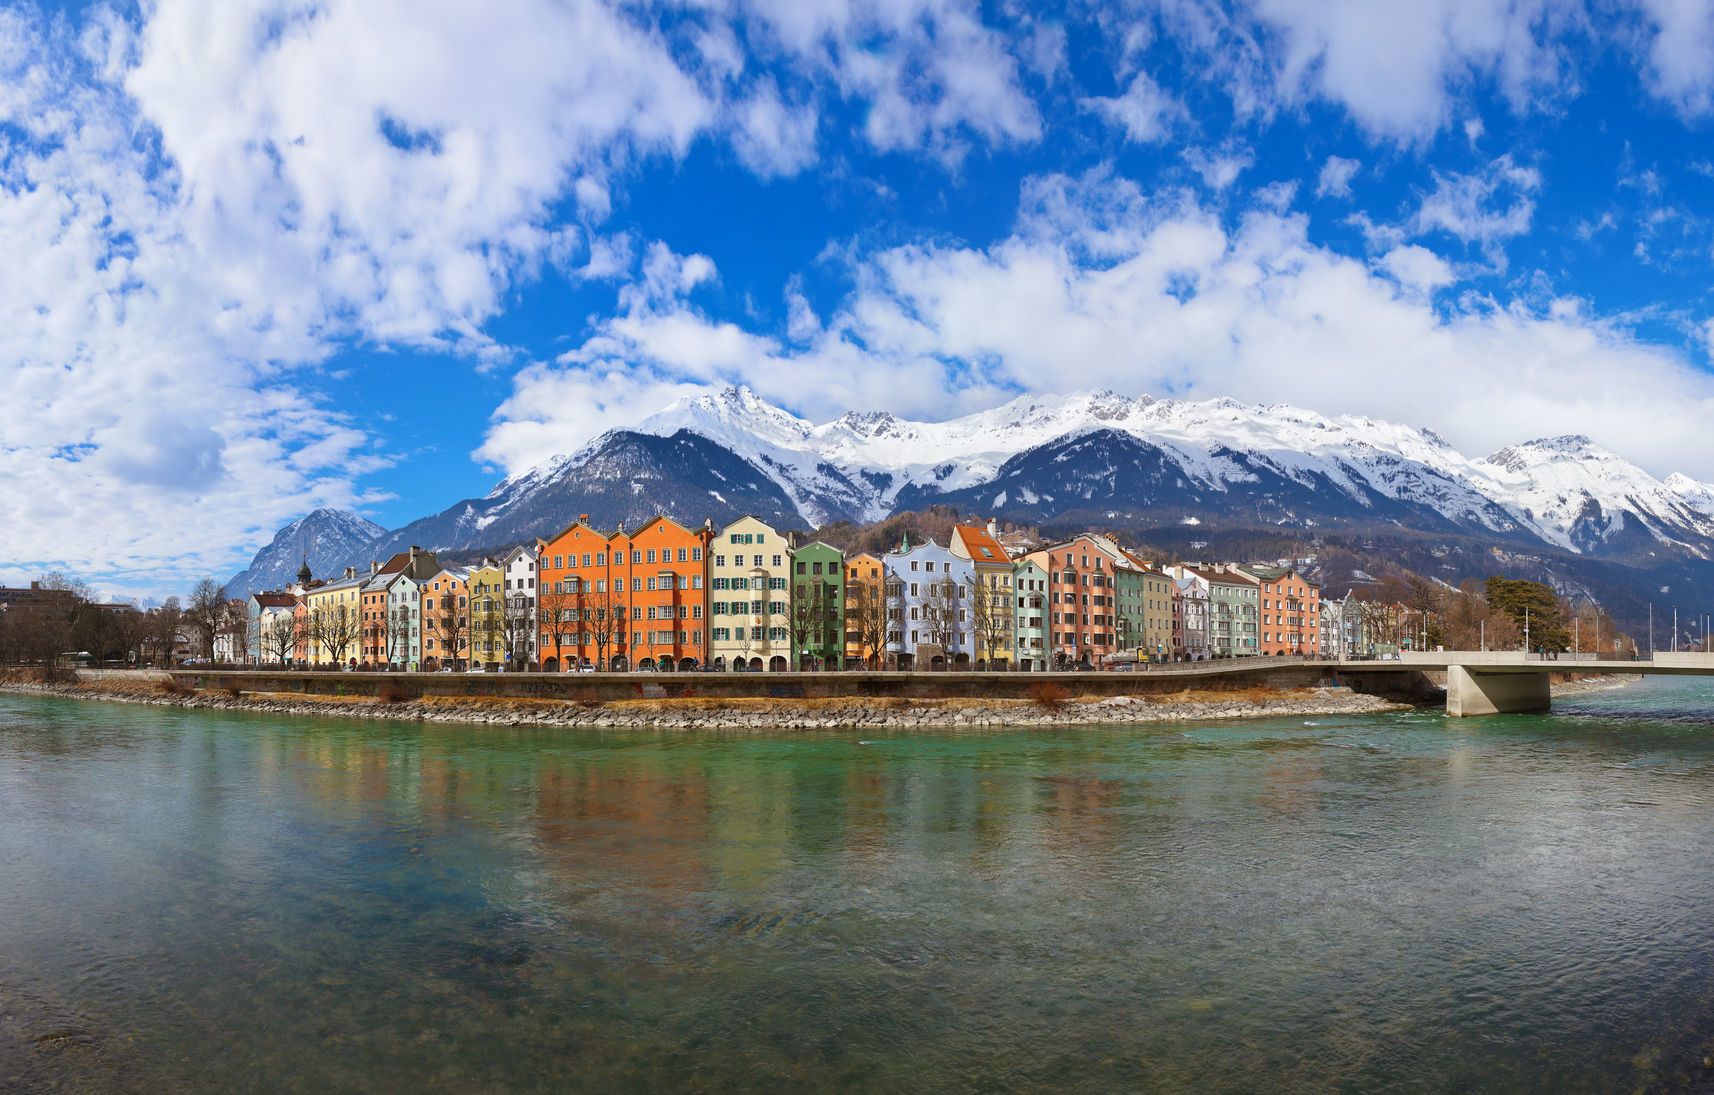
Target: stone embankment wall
<point>609,687</point>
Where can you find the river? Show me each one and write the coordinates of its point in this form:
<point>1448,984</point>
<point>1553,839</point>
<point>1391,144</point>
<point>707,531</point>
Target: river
<point>194,901</point>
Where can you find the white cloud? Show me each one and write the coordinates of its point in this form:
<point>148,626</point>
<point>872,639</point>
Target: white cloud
<point>205,205</point>
<point>931,72</point>
<point>1396,68</point>
<point>1278,196</point>
<point>1680,62</point>
<point>771,137</point>
<point>1154,293</point>
<point>1221,168</point>
<point>1485,207</point>
<point>1143,111</point>
<point>1417,268</point>
<point>1335,178</point>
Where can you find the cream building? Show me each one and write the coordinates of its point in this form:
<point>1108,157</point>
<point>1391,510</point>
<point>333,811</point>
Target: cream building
<point>749,597</point>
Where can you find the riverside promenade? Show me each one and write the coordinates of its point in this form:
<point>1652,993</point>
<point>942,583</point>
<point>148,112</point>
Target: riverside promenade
<point>1475,682</point>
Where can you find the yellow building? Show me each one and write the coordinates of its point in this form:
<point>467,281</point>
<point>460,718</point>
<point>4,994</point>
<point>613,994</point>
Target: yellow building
<point>333,620</point>
<point>488,633</point>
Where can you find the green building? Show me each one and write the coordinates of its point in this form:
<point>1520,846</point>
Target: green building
<point>818,607</point>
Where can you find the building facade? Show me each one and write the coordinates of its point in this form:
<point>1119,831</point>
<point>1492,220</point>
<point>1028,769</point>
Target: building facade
<point>818,606</point>
<point>1030,631</point>
<point>750,597</point>
<point>334,620</point>
<point>1234,601</point>
<point>1190,619</point>
<point>928,606</point>
<point>1289,614</point>
<point>488,616</point>
<point>866,611</point>
<point>518,571</point>
<point>404,635</point>
<point>446,618</point>
<point>992,617</point>
<point>1082,624</point>
<point>624,600</point>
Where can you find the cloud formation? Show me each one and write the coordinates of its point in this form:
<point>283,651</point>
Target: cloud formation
<point>1101,284</point>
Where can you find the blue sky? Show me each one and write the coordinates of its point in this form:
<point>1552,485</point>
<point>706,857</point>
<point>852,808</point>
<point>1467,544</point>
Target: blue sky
<point>377,254</point>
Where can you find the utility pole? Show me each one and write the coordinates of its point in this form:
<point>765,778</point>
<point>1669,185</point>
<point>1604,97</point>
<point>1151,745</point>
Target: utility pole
<point>1526,631</point>
<point>1651,631</point>
<point>1675,629</point>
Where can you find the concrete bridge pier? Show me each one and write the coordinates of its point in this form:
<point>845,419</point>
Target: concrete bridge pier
<point>1472,693</point>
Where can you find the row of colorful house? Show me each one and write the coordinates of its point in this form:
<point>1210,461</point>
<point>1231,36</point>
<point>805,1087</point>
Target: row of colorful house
<point>668,596</point>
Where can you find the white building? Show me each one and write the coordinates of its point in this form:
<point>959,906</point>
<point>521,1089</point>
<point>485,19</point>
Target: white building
<point>928,607</point>
<point>519,575</point>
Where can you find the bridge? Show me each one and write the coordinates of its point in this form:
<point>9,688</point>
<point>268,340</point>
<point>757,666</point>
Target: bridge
<point>1493,682</point>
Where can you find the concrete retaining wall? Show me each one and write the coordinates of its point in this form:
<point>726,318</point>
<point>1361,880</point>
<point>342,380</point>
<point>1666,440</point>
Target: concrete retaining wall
<point>629,686</point>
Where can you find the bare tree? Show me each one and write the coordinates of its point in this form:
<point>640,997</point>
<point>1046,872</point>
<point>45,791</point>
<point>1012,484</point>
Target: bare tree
<point>991,617</point>
<point>205,612</point>
<point>940,614</point>
<point>235,626</point>
<point>398,633</point>
<point>487,623</point>
<point>279,637</point>
<point>334,628</point>
<point>451,623</point>
<point>606,619</point>
<point>517,626</point>
<point>866,618</point>
<point>556,605</point>
<point>163,630</point>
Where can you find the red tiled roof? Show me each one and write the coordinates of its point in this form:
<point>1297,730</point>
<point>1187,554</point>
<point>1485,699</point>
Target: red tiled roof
<point>976,540</point>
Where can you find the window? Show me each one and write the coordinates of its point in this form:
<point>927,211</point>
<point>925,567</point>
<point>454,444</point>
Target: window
<point>802,567</point>
<point>696,555</point>
<point>681,554</point>
<point>636,557</point>
<point>586,558</point>
<point>651,555</point>
<point>696,612</point>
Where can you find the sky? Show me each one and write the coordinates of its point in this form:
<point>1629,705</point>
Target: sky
<point>267,255</point>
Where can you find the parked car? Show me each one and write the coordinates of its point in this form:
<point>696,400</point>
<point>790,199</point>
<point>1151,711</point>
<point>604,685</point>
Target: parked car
<point>586,667</point>
<point>647,667</point>
<point>477,667</point>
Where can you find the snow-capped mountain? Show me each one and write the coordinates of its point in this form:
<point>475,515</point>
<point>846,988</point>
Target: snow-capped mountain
<point>1082,460</point>
<point>329,539</point>
<point>1580,496</point>
<point>1564,491</point>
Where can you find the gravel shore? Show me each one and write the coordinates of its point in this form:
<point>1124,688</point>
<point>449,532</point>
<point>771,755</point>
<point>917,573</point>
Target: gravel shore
<point>760,714</point>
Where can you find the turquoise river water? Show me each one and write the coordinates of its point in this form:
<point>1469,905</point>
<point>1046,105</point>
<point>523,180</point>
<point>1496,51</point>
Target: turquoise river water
<point>199,901</point>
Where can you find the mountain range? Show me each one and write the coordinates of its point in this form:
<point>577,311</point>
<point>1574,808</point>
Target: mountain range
<point>1169,471</point>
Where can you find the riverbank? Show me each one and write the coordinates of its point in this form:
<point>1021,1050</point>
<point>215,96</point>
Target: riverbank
<point>1051,706</point>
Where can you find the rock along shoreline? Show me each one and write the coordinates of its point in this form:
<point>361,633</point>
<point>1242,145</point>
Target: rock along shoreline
<point>749,714</point>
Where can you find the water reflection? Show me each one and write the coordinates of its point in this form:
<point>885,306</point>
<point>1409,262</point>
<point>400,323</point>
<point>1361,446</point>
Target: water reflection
<point>196,901</point>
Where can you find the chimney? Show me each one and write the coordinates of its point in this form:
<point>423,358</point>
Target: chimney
<point>351,572</point>
<point>374,568</point>
<point>414,550</point>
<point>993,529</point>
<point>583,518</point>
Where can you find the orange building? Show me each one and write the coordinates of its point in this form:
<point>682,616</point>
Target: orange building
<point>621,599</point>
<point>865,585</point>
<point>1289,619</point>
